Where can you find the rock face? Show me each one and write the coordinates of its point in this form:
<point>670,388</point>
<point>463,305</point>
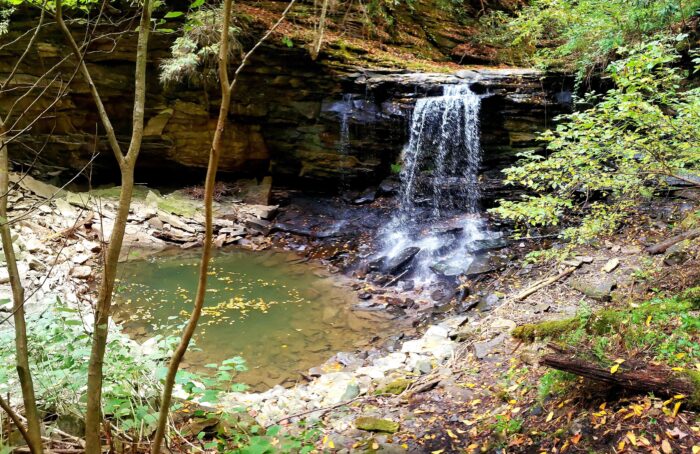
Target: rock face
<point>308,123</point>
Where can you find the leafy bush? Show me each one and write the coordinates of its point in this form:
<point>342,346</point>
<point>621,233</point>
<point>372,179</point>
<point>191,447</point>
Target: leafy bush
<point>59,350</point>
<point>580,34</point>
<point>600,162</point>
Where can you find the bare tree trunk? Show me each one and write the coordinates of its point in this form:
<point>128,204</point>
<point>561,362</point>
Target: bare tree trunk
<point>127,162</point>
<point>33,432</point>
<point>209,184</point>
<point>320,28</point>
<point>210,181</point>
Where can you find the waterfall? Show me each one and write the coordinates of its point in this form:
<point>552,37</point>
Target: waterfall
<point>442,158</point>
<point>439,197</point>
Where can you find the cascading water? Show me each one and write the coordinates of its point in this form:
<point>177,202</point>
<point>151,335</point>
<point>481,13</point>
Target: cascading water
<point>439,196</point>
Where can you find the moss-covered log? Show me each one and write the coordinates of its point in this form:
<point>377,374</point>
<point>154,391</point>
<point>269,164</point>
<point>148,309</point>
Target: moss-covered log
<point>604,321</point>
<point>642,378</point>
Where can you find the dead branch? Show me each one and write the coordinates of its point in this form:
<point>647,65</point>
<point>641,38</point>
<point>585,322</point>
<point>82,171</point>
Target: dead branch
<point>661,247</point>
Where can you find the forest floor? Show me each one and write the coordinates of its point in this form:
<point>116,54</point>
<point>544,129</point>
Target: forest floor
<point>494,396</point>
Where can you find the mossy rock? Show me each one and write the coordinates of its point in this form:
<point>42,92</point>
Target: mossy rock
<point>371,424</point>
<point>174,203</point>
<point>394,387</point>
<point>602,322</point>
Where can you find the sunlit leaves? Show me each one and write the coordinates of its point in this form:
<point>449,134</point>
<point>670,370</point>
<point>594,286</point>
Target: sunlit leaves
<point>602,161</point>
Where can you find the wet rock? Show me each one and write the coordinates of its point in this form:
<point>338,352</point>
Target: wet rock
<point>401,261</point>
<point>596,287</point>
<point>481,264</point>
<point>488,244</point>
<point>372,424</point>
<point>376,265</point>
<point>445,269</point>
<point>258,226</point>
<point>366,197</point>
<point>388,186</point>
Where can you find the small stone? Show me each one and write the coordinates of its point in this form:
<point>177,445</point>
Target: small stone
<point>352,391</point>
<point>598,288</point>
<point>372,424</point>
<point>394,387</point>
<point>611,265</point>
<point>81,272</point>
<point>423,366</point>
<point>585,258</point>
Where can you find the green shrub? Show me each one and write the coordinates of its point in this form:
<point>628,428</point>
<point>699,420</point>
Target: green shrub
<point>602,161</point>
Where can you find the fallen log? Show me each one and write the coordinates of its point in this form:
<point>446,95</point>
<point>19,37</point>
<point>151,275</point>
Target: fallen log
<point>633,376</point>
<point>543,283</point>
<point>661,247</point>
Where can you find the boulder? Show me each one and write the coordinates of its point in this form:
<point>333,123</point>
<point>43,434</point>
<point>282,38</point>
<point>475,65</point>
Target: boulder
<point>595,287</point>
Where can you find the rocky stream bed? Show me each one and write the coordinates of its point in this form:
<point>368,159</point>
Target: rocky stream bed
<point>454,346</point>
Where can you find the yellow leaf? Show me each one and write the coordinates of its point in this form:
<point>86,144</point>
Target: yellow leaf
<point>549,416</point>
<point>676,408</point>
<point>680,355</point>
<point>438,451</point>
<point>331,444</point>
<point>451,434</point>
<point>696,449</point>
<point>614,368</point>
<point>666,447</point>
<point>375,445</point>
<point>621,445</point>
<point>632,438</point>
<point>648,320</point>
<point>602,406</point>
<point>679,396</point>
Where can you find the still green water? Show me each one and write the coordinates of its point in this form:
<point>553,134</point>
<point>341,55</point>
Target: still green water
<point>280,315</point>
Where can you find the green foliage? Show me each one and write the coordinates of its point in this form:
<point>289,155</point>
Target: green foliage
<point>602,161</point>
<point>60,348</point>
<point>554,383</point>
<point>195,54</point>
<point>579,34</point>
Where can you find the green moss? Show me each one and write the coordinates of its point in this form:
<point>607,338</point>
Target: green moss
<point>694,377</point>
<point>372,424</point>
<point>394,387</point>
<point>174,203</point>
<point>604,321</point>
<point>552,328</point>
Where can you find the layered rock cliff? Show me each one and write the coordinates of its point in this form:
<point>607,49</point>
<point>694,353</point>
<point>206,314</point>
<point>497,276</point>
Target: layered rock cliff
<point>308,123</point>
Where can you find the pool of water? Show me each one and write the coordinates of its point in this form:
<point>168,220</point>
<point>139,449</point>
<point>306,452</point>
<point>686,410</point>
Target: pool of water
<point>281,315</point>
